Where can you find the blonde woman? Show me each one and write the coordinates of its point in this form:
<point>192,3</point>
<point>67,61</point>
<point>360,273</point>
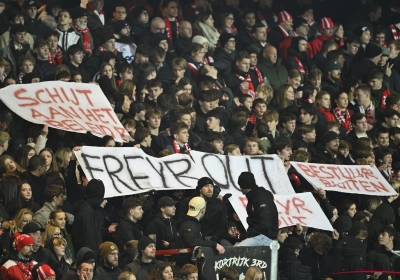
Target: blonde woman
<point>254,273</point>
<point>22,217</point>
<point>59,218</point>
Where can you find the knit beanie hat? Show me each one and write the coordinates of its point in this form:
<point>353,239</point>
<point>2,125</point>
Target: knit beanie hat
<point>144,242</point>
<point>372,50</point>
<point>156,38</point>
<point>119,25</point>
<point>137,11</point>
<point>284,16</point>
<point>202,182</point>
<point>359,31</point>
<point>42,272</point>
<point>22,240</point>
<point>199,39</point>
<point>106,248</point>
<point>246,180</point>
<point>225,37</point>
<point>325,23</point>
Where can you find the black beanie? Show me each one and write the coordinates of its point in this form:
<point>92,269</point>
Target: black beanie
<point>144,242</point>
<point>224,38</point>
<point>202,182</point>
<point>137,11</point>
<point>372,50</point>
<point>246,180</point>
<point>156,38</point>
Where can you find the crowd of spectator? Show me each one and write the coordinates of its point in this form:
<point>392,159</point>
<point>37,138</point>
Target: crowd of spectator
<point>307,80</point>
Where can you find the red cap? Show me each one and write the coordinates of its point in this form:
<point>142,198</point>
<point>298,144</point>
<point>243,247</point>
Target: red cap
<point>326,23</point>
<point>284,16</point>
<point>22,240</point>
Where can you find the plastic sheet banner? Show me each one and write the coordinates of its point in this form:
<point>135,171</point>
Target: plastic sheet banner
<point>126,171</point>
<point>292,209</point>
<point>359,179</point>
<point>268,171</point>
<point>239,258</point>
<point>75,107</point>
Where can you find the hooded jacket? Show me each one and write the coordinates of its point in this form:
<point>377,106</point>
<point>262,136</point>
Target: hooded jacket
<point>83,254</point>
<point>316,44</point>
<point>86,230</point>
<point>61,266</point>
<point>293,51</point>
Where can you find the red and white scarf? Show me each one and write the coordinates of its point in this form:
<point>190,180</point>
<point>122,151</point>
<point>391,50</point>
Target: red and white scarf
<point>169,29</point>
<point>177,148</point>
<point>26,269</point>
<point>233,29</point>
<point>193,68</point>
<point>300,66</point>
<point>101,49</point>
<point>57,59</point>
<point>87,46</point>
<point>283,31</point>
<point>343,120</point>
<point>384,96</point>
<point>263,21</point>
<point>395,34</point>
<point>309,21</point>
<point>251,91</point>
<point>259,76</point>
<point>100,14</point>
<point>369,113</point>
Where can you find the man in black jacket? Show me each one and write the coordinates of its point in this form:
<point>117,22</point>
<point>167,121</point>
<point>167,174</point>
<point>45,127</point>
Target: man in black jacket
<point>262,215</point>
<point>163,228</point>
<point>86,230</point>
<point>128,228</point>
<point>190,229</point>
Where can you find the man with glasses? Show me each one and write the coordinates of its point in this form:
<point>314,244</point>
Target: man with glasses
<point>39,254</point>
<point>54,196</point>
<point>108,268</point>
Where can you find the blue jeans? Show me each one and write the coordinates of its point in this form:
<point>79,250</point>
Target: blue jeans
<point>259,240</point>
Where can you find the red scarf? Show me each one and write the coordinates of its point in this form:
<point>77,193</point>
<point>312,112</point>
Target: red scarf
<point>26,269</point>
<point>263,21</point>
<point>253,119</point>
<point>296,180</point>
<point>369,113</point>
<point>309,21</point>
<point>87,46</point>
<point>259,76</point>
<point>58,58</point>
<point>396,36</point>
<point>233,29</point>
<point>384,96</point>
<point>341,42</point>
<point>283,31</point>
<point>101,49</point>
<point>90,7</point>
<point>251,86</point>
<point>327,114</point>
<point>300,66</point>
<point>177,148</point>
<point>193,68</point>
<point>343,120</point>
<point>169,29</point>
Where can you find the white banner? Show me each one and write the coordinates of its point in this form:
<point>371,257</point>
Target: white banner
<point>268,171</point>
<point>126,171</point>
<point>359,179</point>
<point>75,107</point>
<point>292,209</point>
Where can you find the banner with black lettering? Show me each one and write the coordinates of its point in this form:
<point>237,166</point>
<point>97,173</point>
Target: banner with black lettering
<point>75,107</point>
<point>126,171</point>
<point>268,171</point>
<point>299,208</point>
<point>359,179</point>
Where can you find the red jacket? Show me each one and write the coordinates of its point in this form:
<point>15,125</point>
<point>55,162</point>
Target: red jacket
<point>316,44</point>
<point>11,271</point>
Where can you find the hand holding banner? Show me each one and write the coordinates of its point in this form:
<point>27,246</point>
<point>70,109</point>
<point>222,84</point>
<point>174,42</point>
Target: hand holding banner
<point>301,208</point>
<point>75,107</point>
<point>359,179</point>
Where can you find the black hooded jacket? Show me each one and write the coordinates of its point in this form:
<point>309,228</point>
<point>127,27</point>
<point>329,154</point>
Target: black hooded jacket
<point>126,231</point>
<point>61,266</point>
<point>84,254</point>
<point>89,217</point>
<point>262,215</point>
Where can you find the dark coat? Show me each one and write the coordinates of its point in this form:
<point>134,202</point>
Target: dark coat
<point>106,273</point>
<point>190,234</point>
<point>262,215</point>
<point>275,73</point>
<point>127,230</point>
<point>359,71</point>
<point>321,265</point>
<point>164,229</point>
<point>225,60</point>
<point>89,217</point>
<point>45,70</point>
